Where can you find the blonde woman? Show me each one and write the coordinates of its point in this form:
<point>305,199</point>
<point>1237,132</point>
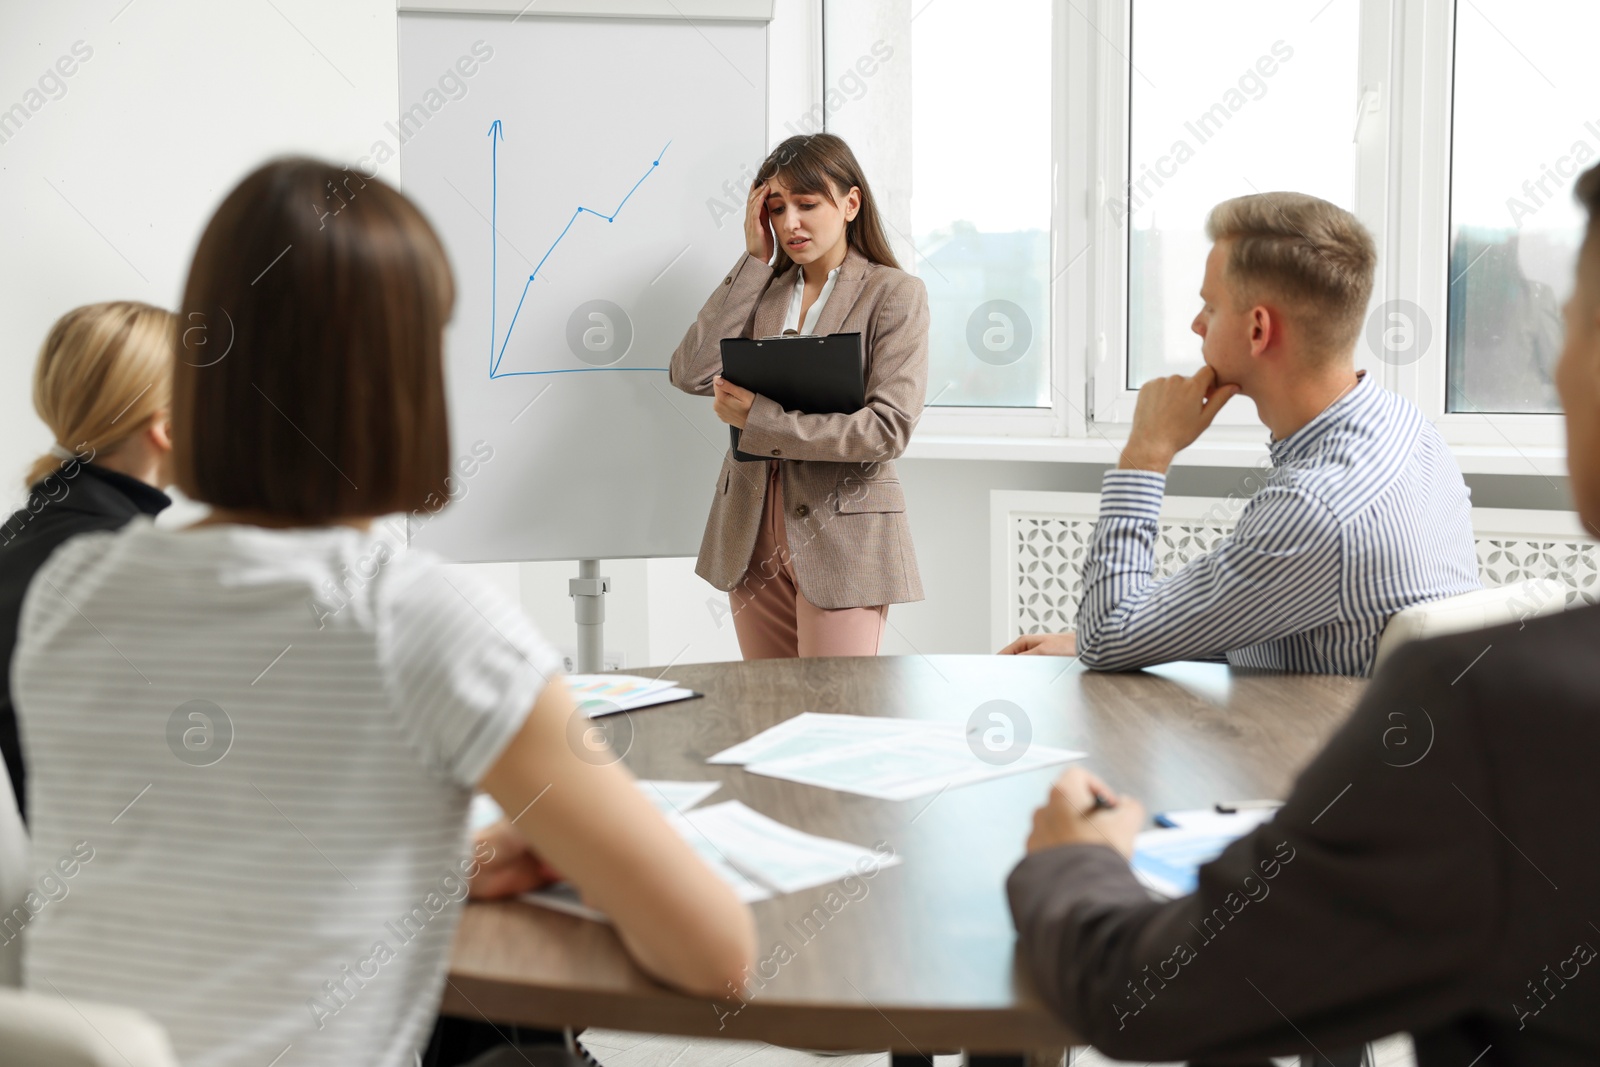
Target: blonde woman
<point>103,385</point>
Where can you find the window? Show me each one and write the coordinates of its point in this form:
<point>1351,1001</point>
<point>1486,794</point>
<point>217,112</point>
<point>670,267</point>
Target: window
<point>1524,126</point>
<point>965,185</point>
<point>1226,98</point>
<point>1047,169</point>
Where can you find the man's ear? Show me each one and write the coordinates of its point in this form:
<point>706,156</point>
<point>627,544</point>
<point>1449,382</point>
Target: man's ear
<point>1264,329</point>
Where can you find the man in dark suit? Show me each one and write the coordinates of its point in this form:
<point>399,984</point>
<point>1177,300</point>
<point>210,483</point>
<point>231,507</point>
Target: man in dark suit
<point>1434,870</point>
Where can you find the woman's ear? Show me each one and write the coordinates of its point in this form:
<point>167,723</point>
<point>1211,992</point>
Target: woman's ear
<point>852,203</point>
<point>159,432</point>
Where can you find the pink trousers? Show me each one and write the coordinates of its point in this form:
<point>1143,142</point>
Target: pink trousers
<point>771,616</point>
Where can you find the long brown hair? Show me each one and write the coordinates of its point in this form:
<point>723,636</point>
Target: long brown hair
<point>309,382</point>
<point>823,165</point>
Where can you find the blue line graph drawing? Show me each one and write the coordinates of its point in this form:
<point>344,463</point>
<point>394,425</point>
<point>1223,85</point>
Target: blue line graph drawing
<point>496,135</point>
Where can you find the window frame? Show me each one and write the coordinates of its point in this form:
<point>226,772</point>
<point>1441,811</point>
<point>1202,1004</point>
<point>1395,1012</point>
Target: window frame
<point>1053,421</point>
<point>1113,400</point>
<point>1422,144</point>
<point>1401,99</point>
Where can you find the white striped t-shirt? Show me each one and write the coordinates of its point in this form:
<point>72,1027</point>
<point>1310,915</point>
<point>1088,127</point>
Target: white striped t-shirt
<point>265,742</point>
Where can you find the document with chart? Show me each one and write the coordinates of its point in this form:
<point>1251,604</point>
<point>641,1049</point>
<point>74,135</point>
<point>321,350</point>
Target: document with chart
<point>891,759</point>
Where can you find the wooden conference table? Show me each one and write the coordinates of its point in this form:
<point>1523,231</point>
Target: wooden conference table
<point>921,957</point>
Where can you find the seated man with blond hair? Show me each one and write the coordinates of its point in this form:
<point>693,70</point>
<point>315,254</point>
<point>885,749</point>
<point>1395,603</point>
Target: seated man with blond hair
<point>1362,514</point>
<point>1443,892</point>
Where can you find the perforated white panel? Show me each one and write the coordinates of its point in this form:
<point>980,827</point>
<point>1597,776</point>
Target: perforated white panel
<point>1045,547</point>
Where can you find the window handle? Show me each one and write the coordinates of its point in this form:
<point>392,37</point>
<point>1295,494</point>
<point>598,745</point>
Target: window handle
<point>1367,105</point>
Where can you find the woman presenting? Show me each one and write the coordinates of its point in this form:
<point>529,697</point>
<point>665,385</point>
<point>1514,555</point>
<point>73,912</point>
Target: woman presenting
<point>812,545</point>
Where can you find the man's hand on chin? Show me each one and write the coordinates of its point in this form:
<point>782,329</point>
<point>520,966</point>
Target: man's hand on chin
<point>1170,415</point>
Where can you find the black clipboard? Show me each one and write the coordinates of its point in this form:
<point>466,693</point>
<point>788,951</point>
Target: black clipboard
<point>819,375</point>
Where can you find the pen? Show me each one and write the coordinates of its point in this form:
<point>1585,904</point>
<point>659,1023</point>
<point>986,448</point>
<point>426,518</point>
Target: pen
<point>1101,803</point>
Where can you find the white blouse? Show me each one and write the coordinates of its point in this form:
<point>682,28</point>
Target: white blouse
<point>791,321</point>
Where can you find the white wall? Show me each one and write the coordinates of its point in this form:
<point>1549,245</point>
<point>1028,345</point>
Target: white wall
<point>106,188</point>
<point>112,172</point>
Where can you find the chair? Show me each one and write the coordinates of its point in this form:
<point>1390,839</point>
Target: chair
<point>14,874</point>
<point>1477,610</point>
<point>37,1030</point>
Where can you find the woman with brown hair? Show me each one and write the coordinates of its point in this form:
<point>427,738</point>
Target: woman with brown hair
<point>102,385</point>
<point>287,712</point>
<point>813,546</point>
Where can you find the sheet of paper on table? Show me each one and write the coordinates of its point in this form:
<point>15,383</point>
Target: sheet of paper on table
<point>668,797</point>
<point>780,857</point>
<point>613,686</point>
<point>607,694</point>
<point>710,850</point>
<point>1169,861</point>
<point>898,765</point>
<point>812,731</point>
<point>671,797</point>
<point>754,854</point>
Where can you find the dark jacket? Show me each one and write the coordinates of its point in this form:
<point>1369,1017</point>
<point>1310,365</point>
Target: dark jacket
<point>1436,870</point>
<point>81,498</point>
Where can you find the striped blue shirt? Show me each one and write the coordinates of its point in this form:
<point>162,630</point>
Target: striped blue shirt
<point>1362,514</point>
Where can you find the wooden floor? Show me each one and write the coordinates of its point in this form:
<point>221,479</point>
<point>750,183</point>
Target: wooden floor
<point>617,1048</point>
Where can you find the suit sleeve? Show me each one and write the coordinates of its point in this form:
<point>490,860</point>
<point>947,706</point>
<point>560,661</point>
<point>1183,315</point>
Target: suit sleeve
<point>1276,574</point>
<point>1365,906</point>
<point>727,313</point>
<point>897,386</point>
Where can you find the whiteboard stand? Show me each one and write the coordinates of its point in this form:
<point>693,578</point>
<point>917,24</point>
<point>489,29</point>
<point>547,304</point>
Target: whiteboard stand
<point>588,591</point>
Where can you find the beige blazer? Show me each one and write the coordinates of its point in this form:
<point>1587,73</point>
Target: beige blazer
<point>844,510</point>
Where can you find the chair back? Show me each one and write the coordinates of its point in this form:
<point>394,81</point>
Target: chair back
<point>13,884</point>
<point>1477,610</point>
<point>37,1030</point>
